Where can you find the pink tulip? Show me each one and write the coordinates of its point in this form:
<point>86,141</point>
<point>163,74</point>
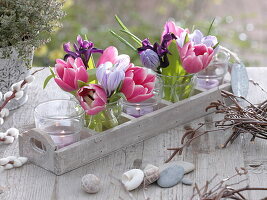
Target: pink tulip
<point>138,85</point>
<point>110,54</point>
<point>195,58</point>
<point>92,98</point>
<point>170,27</point>
<point>69,72</point>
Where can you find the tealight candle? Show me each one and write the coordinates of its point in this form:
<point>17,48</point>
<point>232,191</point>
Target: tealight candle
<point>137,111</point>
<point>61,119</point>
<point>207,84</point>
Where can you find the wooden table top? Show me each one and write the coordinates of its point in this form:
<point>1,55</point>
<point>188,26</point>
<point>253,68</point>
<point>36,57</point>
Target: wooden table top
<point>34,183</point>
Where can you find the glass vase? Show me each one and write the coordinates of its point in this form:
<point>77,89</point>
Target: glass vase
<point>176,88</point>
<point>106,119</point>
<point>214,74</point>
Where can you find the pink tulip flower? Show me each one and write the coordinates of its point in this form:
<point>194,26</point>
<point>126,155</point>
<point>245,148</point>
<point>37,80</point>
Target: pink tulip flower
<point>92,98</point>
<point>69,72</point>
<point>195,58</point>
<point>138,85</point>
<point>180,33</point>
<point>110,54</point>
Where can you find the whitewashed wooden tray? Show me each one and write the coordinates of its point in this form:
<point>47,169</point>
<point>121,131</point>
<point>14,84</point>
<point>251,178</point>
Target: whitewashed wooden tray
<point>40,149</point>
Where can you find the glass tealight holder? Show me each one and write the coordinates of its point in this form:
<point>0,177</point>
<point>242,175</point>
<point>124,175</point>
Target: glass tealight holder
<point>142,108</point>
<point>62,119</point>
<point>214,74</point>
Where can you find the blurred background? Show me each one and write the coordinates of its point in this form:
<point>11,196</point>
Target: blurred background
<point>240,25</point>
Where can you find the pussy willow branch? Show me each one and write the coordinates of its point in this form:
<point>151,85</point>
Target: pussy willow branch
<point>14,92</point>
<point>249,119</point>
<point>223,189</point>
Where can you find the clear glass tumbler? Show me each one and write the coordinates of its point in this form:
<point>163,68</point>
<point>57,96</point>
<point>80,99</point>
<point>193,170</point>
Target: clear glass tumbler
<point>62,119</point>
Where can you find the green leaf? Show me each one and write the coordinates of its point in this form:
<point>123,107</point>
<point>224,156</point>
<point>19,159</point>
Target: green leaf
<point>47,80</point>
<point>123,40</point>
<point>214,47</point>
<point>211,26</point>
<point>133,37</point>
<point>91,63</point>
<point>52,72</point>
<point>81,83</point>
<point>186,39</point>
<point>121,23</point>
<point>116,97</point>
<point>92,75</point>
<point>174,61</point>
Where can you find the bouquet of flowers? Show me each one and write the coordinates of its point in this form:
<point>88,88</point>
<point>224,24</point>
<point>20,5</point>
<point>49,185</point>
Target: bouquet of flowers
<point>179,55</point>
<point>99,88</point>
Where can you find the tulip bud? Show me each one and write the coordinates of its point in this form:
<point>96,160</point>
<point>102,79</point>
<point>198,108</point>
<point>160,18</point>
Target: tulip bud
<point>13,132</point>
<point>150,59</point>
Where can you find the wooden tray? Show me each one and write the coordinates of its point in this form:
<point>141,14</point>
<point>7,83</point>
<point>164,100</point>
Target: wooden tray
<point>40,149</point>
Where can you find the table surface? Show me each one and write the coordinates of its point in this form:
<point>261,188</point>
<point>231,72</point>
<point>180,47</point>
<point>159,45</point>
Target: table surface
<point>34,183</point>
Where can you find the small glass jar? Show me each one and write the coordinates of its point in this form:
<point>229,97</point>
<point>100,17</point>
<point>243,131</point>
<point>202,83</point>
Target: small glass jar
<point>142,108</point>
<point>107,118</point>
<point>62,119</point>
<point>214,74</point>
<point>176,88</point>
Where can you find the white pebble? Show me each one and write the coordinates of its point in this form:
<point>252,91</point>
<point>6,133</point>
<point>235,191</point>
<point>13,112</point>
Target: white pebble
<point>7,95</point>
<point>17,163</point>
<point>13,132</point>
<point>16,87</point>
<point>90,183</point>
<point>1,121</point>
<point>4,161</point>
<point>19,95</point>
<point>8,166</point>
<point>4,113</point>
<point>11,158</point>
<point>29,78</point>
<point>1,96</point>
<point>23,160</point>
<point>2,135</point>
<point>9,140</point>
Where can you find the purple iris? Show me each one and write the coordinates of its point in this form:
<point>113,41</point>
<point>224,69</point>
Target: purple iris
<point>83,49</point>
<point>149,59</point>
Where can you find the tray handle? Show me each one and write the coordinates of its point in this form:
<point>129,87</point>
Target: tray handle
<point>38,146</point>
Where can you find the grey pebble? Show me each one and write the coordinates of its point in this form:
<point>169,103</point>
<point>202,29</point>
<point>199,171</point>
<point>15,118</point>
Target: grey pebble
<point>170,176</point>
<point>187,181</point>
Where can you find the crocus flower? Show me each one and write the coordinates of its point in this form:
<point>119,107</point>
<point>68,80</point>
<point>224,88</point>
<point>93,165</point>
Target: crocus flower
<point>92,98</point>
<point>138,85</point>
<point>69,72</point>
<point>83,49</point>
<point>111,69</point>
<point>197,38</point>
<point>195,58</point>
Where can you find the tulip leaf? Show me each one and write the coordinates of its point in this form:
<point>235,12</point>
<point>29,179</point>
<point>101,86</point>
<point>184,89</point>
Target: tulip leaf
<point>174,61</point>
<point>52,72</point>
<point>92,75</point>
<point>216,45</point>
<point>116,97</point>
<point>47,80</point>
<point>211,25</point>
<point>81,84</point>
<point>123,40</point>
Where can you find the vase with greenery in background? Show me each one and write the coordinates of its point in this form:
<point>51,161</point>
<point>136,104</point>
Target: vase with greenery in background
<point>176,58</point>
<point>24,25</point>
